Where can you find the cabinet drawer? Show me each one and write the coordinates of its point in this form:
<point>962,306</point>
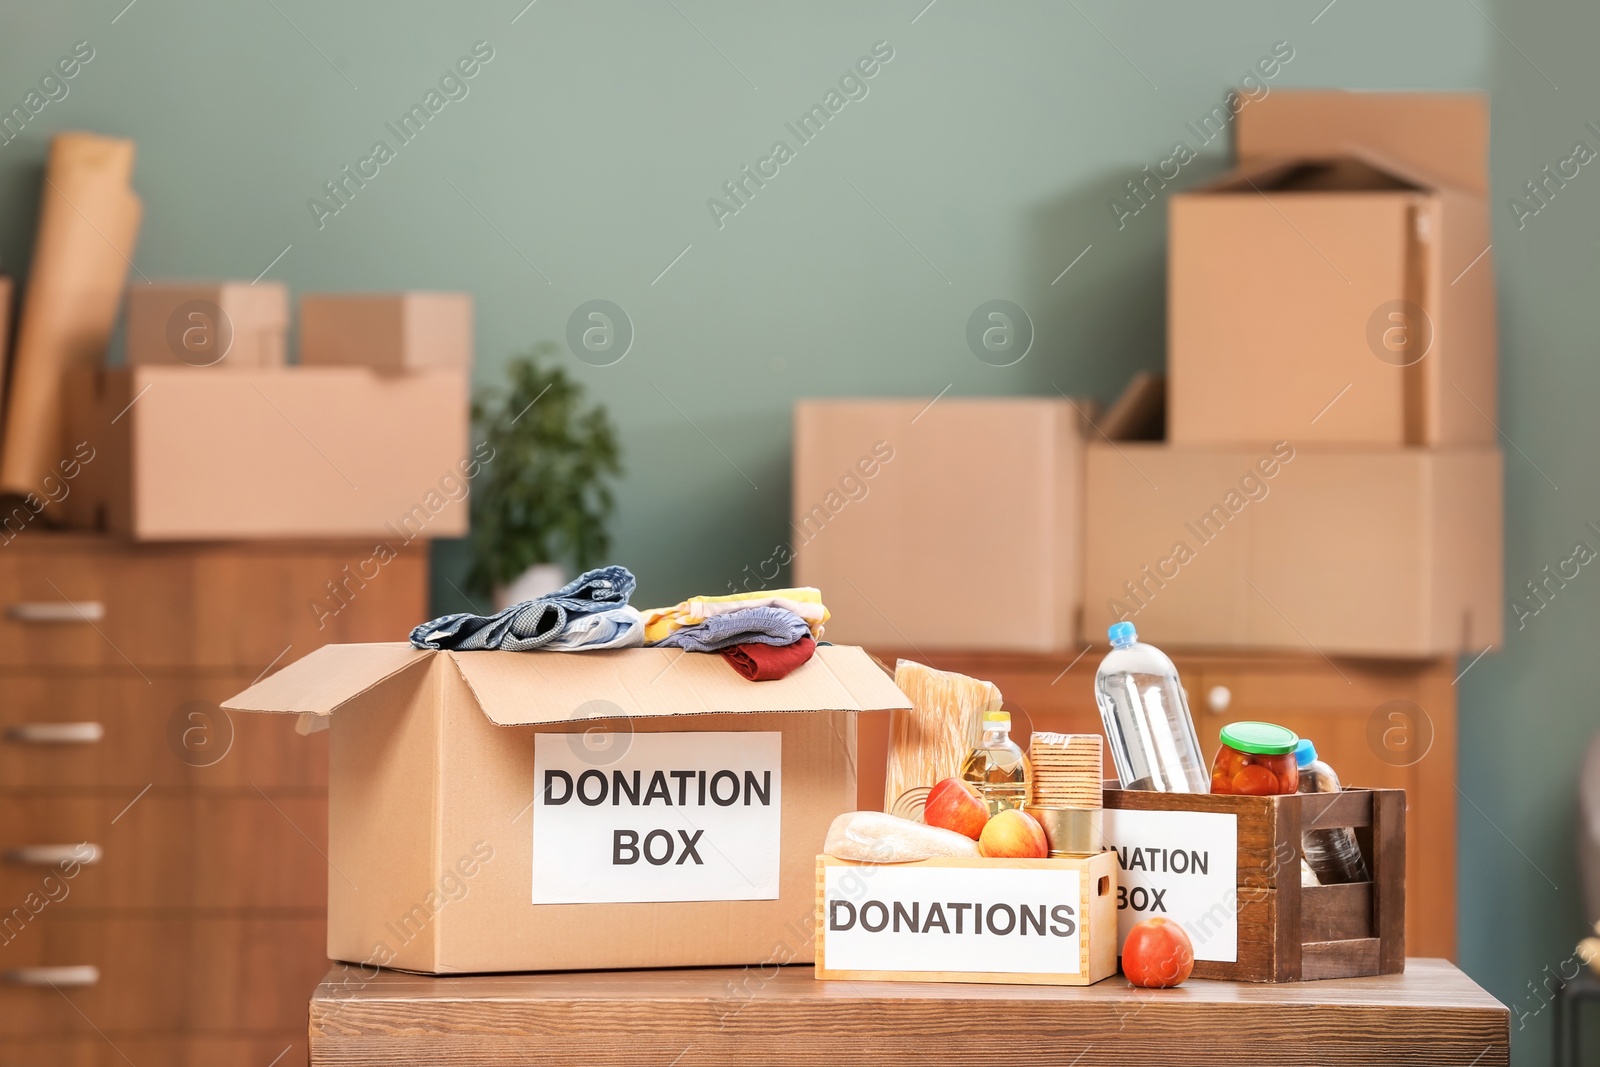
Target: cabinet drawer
<point>119,731</point>
<point>158,974</point>
<point>1333,704</point>
<point>1235,690</point>
<point>172,850</point>
<point>83,601</point>
<point>285,1049</point>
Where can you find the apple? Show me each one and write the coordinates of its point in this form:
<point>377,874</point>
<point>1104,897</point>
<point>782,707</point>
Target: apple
<point>1013,834</point>
<point>1157,954</point>
<point>952,805</point>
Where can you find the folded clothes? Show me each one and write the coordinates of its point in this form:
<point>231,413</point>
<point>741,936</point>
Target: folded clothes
<point>805,602</point>
<point>814,613</point>
<point>533,624</point>
<point>768,663</point>
<point>761,626</point>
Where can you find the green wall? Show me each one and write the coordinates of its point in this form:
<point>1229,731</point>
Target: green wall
<point>1529,712</point>
<point>978,166</point>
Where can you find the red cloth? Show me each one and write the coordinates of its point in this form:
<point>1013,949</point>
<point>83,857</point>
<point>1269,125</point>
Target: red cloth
<point>768,663</point>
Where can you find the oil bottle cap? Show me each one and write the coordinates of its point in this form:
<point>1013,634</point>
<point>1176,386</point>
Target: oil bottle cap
<point>999,718</point>
<point>1259,738</point>
<point>1122,634</point>
<point>1305,753</point>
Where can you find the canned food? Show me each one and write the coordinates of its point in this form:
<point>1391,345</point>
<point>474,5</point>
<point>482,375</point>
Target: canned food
<point>1256,759</point>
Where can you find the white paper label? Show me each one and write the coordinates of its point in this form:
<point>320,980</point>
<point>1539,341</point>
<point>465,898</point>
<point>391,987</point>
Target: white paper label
<point>966,919</point>
<point>1182,865</point>
<point>675,817</point>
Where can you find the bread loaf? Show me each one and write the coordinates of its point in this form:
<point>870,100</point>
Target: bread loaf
<point>873,837</point>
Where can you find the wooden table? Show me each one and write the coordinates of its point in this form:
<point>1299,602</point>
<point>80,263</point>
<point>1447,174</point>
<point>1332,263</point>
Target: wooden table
<point>1431,1014</point>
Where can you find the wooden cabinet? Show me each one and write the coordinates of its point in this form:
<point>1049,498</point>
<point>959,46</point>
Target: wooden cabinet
<point>84,728</point>
<point>1381,724</point>
<point>163,883</point>
<point>241,973</point>
<point>185,850</point>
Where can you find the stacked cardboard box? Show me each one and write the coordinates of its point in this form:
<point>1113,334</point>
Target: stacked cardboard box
<point>233,324</point>
<point>1331,480</point>
<point>208,434</point>
<point>942,523</point>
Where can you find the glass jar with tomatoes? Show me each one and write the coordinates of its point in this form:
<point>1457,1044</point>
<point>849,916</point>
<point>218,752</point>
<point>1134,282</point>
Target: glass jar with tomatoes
<point>1256,759</point>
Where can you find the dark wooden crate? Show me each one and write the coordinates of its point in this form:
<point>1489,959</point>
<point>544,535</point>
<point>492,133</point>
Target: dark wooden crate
<point>1293,933</point>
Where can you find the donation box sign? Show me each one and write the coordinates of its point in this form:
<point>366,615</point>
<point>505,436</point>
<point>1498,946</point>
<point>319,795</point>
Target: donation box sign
<point>674,817</point>
<point>974,920</point>
<point>1184,866</point>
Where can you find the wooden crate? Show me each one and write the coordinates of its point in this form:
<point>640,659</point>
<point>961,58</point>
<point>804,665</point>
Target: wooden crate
<point>1290,933</point>
<point>908,892</point>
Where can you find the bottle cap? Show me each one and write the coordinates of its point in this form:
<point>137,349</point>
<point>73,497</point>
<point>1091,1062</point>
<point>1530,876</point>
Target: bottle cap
<point>1122,634</point>
<point>1259,738</point>
<point>1305,753</point>
<point>999,718</point>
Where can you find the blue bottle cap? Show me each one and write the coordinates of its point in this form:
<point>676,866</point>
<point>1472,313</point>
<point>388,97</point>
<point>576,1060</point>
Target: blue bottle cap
<point>1122,634</point>
<point>1304,753</point>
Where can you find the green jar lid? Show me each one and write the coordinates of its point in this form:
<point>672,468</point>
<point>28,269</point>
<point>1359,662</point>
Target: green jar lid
<point>1259,738</point>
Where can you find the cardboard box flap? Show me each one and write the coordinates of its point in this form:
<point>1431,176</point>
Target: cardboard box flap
<point>322,681</point>
<point>524,688</point>
<point>1443,135</point>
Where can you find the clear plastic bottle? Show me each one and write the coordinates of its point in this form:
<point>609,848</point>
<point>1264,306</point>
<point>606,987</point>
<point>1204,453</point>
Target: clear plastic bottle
<point>1146,718</point>
<point>1332,852</point>
<point>997,768</point>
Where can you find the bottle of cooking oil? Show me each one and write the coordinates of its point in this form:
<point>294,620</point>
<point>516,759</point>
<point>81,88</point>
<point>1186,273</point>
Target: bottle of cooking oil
<point>997,768</point>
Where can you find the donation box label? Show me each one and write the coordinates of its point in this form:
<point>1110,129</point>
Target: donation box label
<point>679,816</point>
<point>1182,865</point>
<point>958,919</point>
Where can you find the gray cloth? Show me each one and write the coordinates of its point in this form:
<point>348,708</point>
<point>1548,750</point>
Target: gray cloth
<point>752,626</point>
<point>532,624</point>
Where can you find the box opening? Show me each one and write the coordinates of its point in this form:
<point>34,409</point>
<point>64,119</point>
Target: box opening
<point>1341,174</point>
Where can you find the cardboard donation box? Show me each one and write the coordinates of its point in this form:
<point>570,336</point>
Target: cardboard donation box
<point>1383,552</point>
<point>183,454</point>
<point>1338,289</point>
<point>1227,868</point>
<point>1020,922</point>
<point>951,524</point>
<point>387,331</point>
<point>500,811</point>
<point>205,324</point>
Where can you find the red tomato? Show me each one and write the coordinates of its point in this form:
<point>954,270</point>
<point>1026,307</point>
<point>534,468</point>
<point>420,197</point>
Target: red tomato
<point>1157,954</point>
<point>1255,781</point>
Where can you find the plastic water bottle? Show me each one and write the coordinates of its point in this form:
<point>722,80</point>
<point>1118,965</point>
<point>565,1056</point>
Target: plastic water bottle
<point>1146,717</point>
<point>1332,852</point>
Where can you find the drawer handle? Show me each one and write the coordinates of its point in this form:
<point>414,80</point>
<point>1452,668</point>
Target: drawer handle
<point>54,855</point>
<point>1218,698</point>
<point>56,733</point>
<point>56,611</point>
<point>52,976</point>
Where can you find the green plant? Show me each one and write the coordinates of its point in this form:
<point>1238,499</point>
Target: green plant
<point>545,496</point>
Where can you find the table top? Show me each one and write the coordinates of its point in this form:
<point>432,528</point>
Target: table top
<point>1431,1014</point>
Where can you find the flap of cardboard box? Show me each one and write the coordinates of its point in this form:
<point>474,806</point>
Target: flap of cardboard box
<point>524,688</point>
<point>1442,135</point>
<point>332,675</point>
